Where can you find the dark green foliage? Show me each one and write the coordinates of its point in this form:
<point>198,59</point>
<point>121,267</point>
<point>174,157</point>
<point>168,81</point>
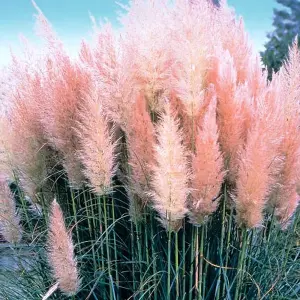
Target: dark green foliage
<point>286,24</point>
<point>118,259</point>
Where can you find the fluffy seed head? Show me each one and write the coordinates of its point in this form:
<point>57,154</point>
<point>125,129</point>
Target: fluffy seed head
<point>257,163</point>
<point>61,253</point>
<point>97,148</point>
<point>141,140</point>
<point>207,165</point>
<point>287,84</point>
<point>230,116</point>
<point>170,174</point>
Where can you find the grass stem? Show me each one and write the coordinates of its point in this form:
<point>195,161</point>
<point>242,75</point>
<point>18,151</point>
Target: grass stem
<point>200,283</point>
<point>107,246</point>
<point>241,260</point>
<point>183,260</point>
<point>218,289</point>
<point>177,265</point>
<point>169,266</point>
<point>90,230</point>
<point>227,248</point>
<point>115,242</point>
<point>133,256</point>
<point>75,219</point>
<point>153,252</point>
<point>192,259</point>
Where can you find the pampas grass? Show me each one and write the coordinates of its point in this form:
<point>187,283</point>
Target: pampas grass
<point>171,157</point>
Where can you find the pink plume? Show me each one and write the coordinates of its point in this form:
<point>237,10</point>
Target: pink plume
<point>97,150</point>
<point>170,174</point>
<point>141,141</point>
<point>258,163</point>
<point>230,115</point>
<point>287,82</point>
<point>61,253</point>
<point>207,166</point>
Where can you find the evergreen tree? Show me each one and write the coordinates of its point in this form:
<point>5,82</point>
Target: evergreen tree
<point>216,2</point>
<point>287,26</point>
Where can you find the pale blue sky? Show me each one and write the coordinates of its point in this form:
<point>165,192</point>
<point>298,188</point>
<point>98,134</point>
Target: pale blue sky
<point>70,19</point>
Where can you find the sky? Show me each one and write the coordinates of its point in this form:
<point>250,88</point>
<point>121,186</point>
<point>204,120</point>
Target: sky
<point>70,19</point>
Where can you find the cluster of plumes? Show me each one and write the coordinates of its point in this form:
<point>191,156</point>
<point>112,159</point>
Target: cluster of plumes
<point>28,147</point>
<point>61,253</point>
<point>180,85</point>
<point>55,119</point>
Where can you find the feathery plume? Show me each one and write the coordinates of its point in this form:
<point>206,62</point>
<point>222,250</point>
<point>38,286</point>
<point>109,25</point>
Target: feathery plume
<point>10,227</point>
<point>257,162</point>
<point>189,124</point>
<point>234,39</point>
<point>148,49</point>
<point>141,141</point>
<point>190,48</point>
<point>44,30</point>
<point>256,78</point>
<point>97,148</point>
<point>111,67</point>
<point>284,198</point>
<point>61,253</point>
<point>230,115</point>
<point>114,77</point>
<point>65,86</point>
<point>248,103</point>
<point>207,165</point>
<point>30,155</point>
<point>170,174</point>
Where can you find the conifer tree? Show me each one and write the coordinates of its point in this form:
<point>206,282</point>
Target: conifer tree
<point>286,23</point>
